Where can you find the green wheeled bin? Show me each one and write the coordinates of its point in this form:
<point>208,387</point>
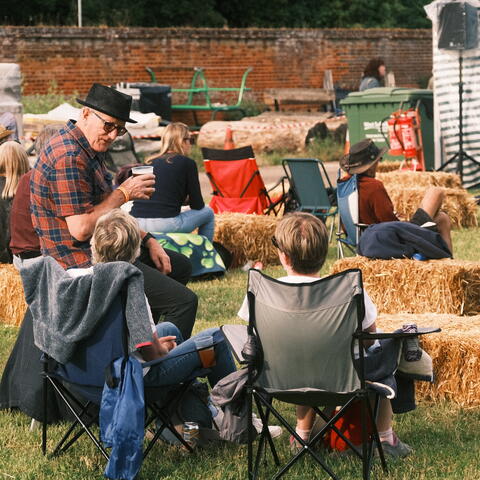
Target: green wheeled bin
<point>368,112</point>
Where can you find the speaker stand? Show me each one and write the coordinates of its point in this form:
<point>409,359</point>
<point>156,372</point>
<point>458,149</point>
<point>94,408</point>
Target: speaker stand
<point>461,155</point>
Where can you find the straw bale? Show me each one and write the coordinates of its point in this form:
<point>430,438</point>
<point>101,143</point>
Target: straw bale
<point>411,286</point>
<point>388,166</point>
<point>12,299</point>
<point>460,206</point>
<point>404,178</point>
<point>455,352</point>
<point>248,237</point>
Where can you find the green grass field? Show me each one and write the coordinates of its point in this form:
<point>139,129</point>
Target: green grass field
<point>445,437</point>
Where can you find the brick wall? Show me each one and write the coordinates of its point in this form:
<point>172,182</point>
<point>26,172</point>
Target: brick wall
<point>74,57</point>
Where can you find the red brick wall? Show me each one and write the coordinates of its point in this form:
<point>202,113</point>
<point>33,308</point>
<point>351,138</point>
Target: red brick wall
<point>74,58</point>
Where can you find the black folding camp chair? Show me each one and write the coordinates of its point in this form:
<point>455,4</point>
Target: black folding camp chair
<point>120,153</point>
<point>80,382</point>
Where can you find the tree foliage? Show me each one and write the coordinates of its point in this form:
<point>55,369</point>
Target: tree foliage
<point>218,13</point>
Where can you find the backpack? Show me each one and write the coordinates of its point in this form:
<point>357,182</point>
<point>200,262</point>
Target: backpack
<point>193,407</point>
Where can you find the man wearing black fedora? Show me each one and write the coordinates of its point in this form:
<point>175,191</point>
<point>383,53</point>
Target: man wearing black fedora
<point>374,203</point>
<point>71,188</point>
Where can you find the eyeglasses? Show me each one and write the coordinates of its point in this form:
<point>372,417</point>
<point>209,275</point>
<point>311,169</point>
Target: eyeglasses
<point>109,127</point>
<point>275,243</point>
<point>190,140</point>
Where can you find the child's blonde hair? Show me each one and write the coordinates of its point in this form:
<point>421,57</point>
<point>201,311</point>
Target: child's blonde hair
<point>13,164</point>
<point>304,238</point>
<point>116,238</point>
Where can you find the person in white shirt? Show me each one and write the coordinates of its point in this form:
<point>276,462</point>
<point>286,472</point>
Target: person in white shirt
<point>301,240</point>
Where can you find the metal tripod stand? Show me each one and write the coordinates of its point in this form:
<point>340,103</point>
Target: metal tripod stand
<point>461,155</point>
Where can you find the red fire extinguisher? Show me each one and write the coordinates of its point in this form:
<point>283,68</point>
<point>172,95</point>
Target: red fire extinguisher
<point>408,135</point>
<point>394,134</point>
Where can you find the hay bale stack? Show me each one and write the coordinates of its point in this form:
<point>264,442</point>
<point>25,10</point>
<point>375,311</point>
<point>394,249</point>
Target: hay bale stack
<point>411,286</point>
<point>387,166</point>
<point>248,237</point>
<point>12,298</point>
<point>460,206</point>
<point>404,178</point>
<point>455,353</point>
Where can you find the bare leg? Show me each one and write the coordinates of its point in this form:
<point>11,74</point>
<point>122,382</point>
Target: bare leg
<point>432,201</point>
<point>305,418</point>
<point>444,226</point>
<point>391,444</point>
<point>385,415</point>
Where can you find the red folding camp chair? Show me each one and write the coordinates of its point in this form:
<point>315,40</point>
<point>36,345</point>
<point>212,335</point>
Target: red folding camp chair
<point>236,182</point>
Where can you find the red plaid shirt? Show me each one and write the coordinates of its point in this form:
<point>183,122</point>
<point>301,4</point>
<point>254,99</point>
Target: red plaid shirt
<point>68,179</point>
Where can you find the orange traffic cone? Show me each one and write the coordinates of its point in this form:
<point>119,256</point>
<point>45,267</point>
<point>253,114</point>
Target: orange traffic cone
<point>228,145</point>
<point>346,147</point>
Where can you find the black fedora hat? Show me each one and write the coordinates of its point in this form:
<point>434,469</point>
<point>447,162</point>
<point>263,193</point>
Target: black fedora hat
<point>109,101</point>
<point>361,157</point>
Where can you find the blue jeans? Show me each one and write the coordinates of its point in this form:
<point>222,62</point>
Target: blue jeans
<point>177,369</point>
<point>186,222</point>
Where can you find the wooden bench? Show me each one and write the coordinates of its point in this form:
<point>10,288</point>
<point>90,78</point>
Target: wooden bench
<point>277,98</point>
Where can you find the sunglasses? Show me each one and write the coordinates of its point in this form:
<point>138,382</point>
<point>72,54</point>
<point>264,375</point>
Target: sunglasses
<point>109,127</point>
<point>275,243</point>
<point>189,140</point>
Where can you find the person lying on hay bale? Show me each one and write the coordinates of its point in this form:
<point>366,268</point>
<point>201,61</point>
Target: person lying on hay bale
<point>375,205</point>
<point>301,241</point>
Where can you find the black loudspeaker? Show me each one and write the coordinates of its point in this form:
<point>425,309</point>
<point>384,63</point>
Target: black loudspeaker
<point>457,29</point>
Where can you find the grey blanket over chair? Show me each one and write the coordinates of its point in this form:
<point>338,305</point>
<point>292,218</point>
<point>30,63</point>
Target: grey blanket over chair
<point>66,310</point>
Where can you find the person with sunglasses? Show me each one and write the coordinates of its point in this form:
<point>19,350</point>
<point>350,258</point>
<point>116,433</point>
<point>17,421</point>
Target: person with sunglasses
<point>176,184</point>
<point>71,188</point>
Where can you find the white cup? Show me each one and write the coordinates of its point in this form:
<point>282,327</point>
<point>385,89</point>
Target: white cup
<point>142,170</point>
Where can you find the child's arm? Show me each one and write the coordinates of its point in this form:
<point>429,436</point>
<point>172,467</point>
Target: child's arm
<point>371,329</point>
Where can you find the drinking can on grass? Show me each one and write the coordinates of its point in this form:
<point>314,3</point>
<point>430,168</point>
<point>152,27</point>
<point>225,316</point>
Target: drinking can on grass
<point>191,433</point>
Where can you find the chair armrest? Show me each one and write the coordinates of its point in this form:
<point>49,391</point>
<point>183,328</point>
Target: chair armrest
<point>399,334</point>
<point>236,336</point>
<point>280,181</point>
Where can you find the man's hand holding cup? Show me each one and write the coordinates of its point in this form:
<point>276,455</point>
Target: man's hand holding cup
<point>140,186</point>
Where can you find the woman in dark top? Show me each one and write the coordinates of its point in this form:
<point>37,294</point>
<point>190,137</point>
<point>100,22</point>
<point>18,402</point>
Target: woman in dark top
<point>13,164</point>
<point>176,184</point>
<point>373,75</point>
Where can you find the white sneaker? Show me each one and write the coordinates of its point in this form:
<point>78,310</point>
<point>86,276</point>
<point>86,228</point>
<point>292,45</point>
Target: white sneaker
<point>275,430</point>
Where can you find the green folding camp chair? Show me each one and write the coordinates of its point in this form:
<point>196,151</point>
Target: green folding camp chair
<point>310,186</point>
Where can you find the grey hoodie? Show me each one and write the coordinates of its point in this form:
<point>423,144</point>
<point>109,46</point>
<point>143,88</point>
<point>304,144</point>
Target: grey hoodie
<point>66,310</point>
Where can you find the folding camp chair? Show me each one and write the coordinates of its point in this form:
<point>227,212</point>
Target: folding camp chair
<point>80,383</point>
<point>308,179</point>
<point>299,346</point>
<point>349,228</point>
<point>120,153</point>
<point>237,184</point>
